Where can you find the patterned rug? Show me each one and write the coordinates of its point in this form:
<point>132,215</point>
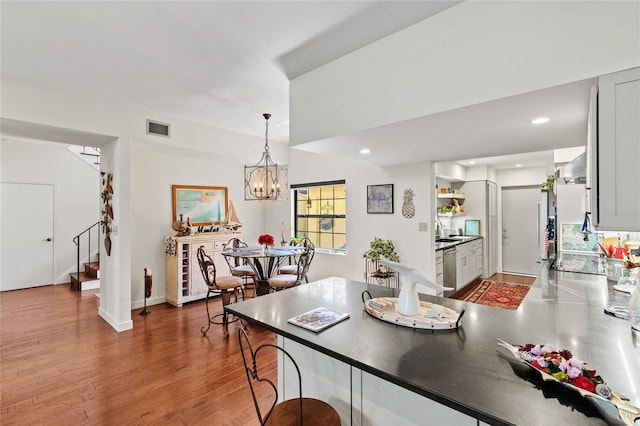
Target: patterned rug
<point>500,294</point>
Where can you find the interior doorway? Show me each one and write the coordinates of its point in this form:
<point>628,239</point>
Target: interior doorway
<point>27,235</point>
<point>520,248</point>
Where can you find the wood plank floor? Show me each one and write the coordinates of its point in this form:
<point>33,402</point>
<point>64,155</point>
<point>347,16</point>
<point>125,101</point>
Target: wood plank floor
<point>60,364</point>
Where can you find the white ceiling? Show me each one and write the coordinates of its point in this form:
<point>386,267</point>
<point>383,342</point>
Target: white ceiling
<point>224,63</point>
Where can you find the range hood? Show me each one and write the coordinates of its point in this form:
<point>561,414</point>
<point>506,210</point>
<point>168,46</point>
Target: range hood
<point>574,172</point>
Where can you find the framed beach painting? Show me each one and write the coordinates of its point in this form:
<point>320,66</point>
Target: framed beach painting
<point>380,198</point>
<point>203,205</point>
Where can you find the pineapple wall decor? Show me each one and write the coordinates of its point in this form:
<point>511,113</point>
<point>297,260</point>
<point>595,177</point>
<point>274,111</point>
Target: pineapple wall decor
<point>408,208</point>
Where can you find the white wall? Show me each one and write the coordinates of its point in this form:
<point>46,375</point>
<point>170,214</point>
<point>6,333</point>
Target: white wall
<point>474,52</point>
<point>121,272</point>
<point>414,248</point>
<point>157,168</point>
<point>77,189</point>
<point>523,176</point>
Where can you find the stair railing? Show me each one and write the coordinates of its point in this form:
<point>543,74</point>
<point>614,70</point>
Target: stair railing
<point>77,241</point>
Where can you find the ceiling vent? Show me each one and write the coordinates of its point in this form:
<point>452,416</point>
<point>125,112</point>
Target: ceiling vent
<point>157,128</point>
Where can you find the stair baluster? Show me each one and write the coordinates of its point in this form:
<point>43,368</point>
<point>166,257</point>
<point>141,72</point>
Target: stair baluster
<point>77,241</point>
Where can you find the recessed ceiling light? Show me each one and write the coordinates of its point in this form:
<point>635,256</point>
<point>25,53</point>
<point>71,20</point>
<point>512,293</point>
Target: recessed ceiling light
<point>472,162</point>
<point>365,151</point>
<point>518,165</point>
<point>540,120</point>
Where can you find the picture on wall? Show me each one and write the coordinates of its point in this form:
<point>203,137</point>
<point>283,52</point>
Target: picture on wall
<point>472,227</point>
<point>380,198</point>
<point>203,205</point>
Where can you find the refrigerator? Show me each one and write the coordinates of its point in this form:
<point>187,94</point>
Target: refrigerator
<point>547,225</point>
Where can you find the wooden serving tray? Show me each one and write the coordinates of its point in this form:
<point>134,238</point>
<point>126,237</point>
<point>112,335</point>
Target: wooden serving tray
<point>384,308</point>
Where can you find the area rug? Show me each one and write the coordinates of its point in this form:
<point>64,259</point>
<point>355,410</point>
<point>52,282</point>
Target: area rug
<point>499,294</point>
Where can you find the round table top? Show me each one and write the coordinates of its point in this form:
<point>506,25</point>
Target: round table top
<point>252,252</point>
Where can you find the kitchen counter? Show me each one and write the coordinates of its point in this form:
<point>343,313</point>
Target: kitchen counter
<point>459,240</point>
<point>462,369</point>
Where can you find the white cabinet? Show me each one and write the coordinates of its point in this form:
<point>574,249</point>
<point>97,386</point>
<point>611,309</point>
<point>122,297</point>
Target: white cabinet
<point>439,267</point>
<point>184,278</point>
<point>482,204</point>
<point>469,262</point>
<point>476,259</point>
<point>462,265</point>
<point>615,181</point>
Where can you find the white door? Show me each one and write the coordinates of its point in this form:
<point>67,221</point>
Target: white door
<point>520,249</point>
<point>26,245</point>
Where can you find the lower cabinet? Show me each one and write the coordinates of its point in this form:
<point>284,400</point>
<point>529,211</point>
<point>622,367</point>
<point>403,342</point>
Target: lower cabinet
<point>439,267</point>
<point>469,263</point>
<point>184,278</point>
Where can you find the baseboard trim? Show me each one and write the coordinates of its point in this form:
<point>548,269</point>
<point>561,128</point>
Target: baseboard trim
<point>117,326</point>
<point>90,285</point>
<point>150,302</point>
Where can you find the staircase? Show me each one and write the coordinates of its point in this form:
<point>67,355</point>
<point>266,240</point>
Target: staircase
<point>89,279</point>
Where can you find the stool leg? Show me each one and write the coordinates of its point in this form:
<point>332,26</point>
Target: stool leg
<point>226,299</point>
<point>206,303</point>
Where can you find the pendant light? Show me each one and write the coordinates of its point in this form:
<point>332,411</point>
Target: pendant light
<point>266,180</point>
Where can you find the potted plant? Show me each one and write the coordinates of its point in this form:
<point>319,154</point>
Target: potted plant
<point>547,185</point>
<point>380,247</point>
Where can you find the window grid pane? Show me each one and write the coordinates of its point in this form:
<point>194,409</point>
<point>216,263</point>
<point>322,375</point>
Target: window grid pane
<point>321,215</point>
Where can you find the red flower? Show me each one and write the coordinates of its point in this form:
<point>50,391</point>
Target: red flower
<point>584,383</point>
<point>266,239</point>
<point>536,365</point>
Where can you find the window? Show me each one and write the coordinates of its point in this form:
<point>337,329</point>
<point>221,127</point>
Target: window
<point>320,211</point>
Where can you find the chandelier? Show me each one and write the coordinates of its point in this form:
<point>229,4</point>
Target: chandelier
<point>266,180</point>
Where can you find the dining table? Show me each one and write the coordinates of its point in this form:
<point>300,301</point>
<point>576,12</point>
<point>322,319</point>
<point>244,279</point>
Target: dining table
<point>265,262</point>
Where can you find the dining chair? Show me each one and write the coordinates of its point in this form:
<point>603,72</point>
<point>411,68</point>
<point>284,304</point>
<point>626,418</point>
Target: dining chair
<point>239,267</point>
<point>224,286</point>
<point>282,281</point>
<point>293,268</point>
<point>292,412</point>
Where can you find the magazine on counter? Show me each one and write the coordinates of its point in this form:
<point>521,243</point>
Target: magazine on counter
<point>318,319</point>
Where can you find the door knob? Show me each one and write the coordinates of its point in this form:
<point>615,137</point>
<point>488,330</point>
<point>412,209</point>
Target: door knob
<point>48,239</point>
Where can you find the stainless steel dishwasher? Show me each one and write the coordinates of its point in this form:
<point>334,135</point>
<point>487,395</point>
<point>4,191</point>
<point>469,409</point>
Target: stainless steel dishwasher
<point>449,270</point>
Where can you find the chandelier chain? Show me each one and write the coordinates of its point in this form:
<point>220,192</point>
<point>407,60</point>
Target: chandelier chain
<point>266,131</point>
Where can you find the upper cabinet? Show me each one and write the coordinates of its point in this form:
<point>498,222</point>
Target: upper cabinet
<point>615,152</point>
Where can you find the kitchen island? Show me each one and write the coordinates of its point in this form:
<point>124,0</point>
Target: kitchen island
<point>374,372</point>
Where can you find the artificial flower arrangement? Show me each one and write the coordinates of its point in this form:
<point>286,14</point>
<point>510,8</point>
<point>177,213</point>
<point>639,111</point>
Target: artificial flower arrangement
<point>266,240</point>
<point>564,367</point>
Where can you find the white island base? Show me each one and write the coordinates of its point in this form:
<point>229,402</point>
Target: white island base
<point>359,398</point>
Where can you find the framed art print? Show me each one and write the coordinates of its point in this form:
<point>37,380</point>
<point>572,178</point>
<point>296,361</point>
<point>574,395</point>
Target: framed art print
<point>203,205</point>
<point>380,198</point>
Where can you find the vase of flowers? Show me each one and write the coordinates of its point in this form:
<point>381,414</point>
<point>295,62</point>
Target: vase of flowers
<point>265,240</point>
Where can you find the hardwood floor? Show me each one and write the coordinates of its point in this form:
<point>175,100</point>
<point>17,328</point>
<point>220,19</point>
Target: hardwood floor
<point>61,364</point>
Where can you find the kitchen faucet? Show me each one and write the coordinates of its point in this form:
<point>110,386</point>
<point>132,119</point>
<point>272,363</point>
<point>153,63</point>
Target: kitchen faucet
<point>439,230</point>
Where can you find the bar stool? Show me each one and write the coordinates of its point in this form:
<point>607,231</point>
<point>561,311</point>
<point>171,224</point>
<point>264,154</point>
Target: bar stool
<point>224,286</point>
<point>293,269</point>
<point>282,281</point>
<point>292,412</point>
<point>239,267</point>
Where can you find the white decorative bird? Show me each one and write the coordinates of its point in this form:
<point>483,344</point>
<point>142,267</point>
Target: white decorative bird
<point>408,301</point>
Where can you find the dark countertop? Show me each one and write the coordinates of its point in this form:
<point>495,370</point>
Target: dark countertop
<point>463,368</point>
<point>459,240</point>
